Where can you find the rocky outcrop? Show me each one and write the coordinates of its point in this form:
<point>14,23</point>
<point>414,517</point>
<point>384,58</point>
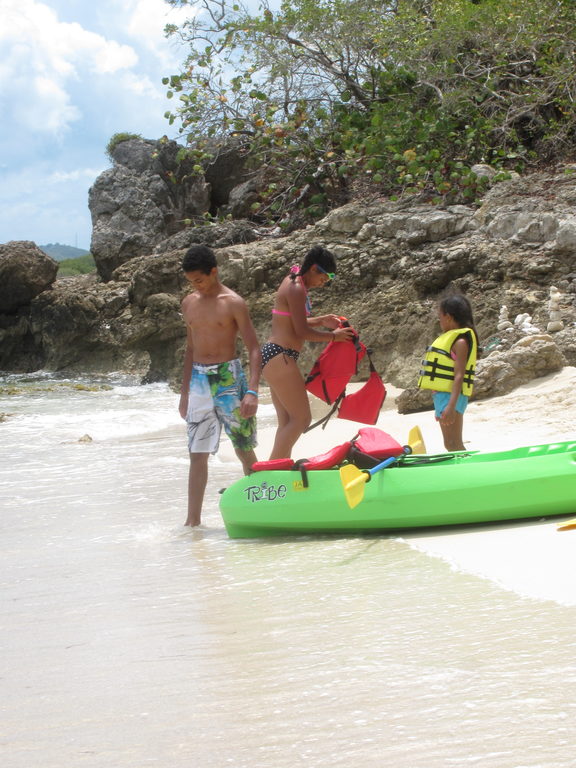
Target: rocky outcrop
<point>25,271</point>
<point>211,234</point>
<point>153,191</point>
<point>140,201</point>
<point>394,260</point>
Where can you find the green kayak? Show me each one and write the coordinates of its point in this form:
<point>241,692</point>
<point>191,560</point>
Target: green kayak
<point>417,491</point>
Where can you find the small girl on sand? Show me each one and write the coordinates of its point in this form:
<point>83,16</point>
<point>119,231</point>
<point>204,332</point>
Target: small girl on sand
<point>449,366</point>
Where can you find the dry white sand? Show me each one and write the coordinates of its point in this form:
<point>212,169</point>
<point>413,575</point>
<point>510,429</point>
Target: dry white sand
<point>531,558</point>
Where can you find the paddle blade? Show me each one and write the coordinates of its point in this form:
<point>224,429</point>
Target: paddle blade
<point>416,441</point>
<point>567,525</point>
<point>353,482</point>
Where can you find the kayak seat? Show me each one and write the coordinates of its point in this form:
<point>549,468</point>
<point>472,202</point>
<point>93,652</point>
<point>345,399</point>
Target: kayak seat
<point>331,458</point>
<point>368,448</point>
<point>272,465</point>
<point>371,446</point>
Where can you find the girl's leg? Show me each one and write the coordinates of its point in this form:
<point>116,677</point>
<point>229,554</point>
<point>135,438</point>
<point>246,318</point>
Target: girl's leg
<point>452,433</point>
<point>290,401</point>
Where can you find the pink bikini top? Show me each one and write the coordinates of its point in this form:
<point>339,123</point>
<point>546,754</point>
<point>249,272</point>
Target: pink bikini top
<point>295,269</point>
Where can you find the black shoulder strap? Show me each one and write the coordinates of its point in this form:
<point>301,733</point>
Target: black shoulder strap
<point>325,419</point>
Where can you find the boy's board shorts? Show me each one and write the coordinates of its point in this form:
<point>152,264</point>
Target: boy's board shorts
<point>441,400</point>
<point>216,392</point>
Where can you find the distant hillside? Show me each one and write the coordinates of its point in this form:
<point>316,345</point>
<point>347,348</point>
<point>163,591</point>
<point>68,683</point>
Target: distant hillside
<point>62,252</point>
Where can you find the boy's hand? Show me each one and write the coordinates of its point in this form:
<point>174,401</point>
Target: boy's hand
<point>183,405</point>
<point>248,406</point>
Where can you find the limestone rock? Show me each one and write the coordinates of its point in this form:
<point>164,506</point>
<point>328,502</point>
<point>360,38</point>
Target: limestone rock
<point>503,321</point>
<point>481,170</point>
<point>414,400</point>
<point>135,154</point>
<point>523,323</point>
<point>135,205</point>
<point>225,170</point>
<point>242,197</point>
<point>566,236</point>
<point>555,314</point>
<point>214,235</point>
<point>25,271</point>
<point>349,219</point>
<point>395,259</point>
<point>530,358</point>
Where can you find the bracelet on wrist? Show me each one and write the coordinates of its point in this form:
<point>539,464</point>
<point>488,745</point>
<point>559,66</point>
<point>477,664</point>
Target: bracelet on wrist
<point>252,392</point>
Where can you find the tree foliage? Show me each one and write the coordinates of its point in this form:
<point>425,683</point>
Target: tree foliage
<point>405,95</point>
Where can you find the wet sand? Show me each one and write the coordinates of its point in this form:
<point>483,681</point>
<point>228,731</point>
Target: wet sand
<point>129,640</point>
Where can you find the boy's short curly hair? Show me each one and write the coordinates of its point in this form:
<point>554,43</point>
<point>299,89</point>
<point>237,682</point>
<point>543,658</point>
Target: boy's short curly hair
<point>199,258</point>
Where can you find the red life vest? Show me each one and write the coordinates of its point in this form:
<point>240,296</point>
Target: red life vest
<point>332,371</point>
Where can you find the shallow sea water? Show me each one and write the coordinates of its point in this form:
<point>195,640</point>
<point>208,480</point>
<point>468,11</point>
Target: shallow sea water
<point>128,640</point>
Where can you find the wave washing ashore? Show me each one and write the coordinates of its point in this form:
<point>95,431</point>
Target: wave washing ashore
<point>129,640</point>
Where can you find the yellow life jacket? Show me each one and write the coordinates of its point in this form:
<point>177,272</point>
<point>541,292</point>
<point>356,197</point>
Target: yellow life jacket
<point>437,370</point>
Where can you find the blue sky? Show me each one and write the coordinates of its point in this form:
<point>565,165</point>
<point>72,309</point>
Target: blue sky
<point>73,73</point>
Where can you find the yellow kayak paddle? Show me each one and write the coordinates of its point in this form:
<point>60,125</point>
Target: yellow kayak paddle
<point>354,479</point>
<point>567,525</point>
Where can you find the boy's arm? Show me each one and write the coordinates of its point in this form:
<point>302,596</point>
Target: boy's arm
<point>186,374</point>
<point>248,334</point>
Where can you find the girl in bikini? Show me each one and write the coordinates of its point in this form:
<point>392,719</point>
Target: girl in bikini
<point>292,325</point>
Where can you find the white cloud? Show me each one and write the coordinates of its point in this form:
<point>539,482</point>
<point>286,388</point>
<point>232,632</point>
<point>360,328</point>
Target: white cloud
<point>42,57</point>
<point>47,108</point>
<point>73,73</point>
<point>140,85</point>
<point>146,24</point>
<point>79,174</point>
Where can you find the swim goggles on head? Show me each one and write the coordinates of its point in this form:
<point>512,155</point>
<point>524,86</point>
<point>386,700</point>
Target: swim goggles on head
<point>331,275</point>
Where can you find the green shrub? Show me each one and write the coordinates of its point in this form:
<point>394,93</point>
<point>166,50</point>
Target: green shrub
<point>118,138</point>
<point>82,265</point>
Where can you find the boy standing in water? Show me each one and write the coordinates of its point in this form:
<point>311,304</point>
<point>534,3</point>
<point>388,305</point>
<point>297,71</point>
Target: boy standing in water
<point>214,391</point>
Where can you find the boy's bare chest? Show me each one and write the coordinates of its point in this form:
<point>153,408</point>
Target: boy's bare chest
<point>209,315</point>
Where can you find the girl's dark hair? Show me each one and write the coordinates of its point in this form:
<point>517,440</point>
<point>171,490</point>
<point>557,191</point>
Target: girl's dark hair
<point>316,255</point>
<point>199,258</point>
<point>457,306</point>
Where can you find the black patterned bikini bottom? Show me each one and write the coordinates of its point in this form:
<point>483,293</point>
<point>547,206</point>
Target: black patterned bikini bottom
<point>270,350</point>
